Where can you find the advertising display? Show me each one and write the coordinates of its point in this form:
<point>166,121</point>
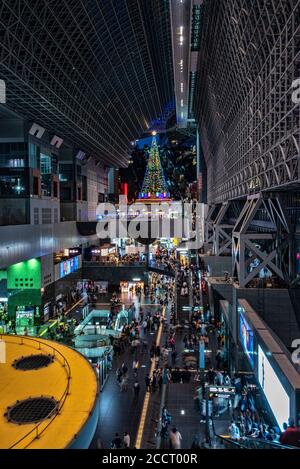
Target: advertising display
<point>246,337</point>
<point>25,313</point>
<point>274,391</point>
<point>68,266</point>
<point>47,311</point>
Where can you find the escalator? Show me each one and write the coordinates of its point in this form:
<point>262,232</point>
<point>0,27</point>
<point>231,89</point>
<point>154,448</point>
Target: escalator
<point>249,443</point>
<point>225,442</point>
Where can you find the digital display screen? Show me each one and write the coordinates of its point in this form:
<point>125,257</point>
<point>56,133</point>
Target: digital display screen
<point>246,338</point>
<point>68,266</point>
<point>274,391</point>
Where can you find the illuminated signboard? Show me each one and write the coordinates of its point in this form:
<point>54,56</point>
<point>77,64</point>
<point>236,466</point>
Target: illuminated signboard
<point>68,266</point>
<point>224,392</point>
<point>274,391</point>
<point>246,337</point>
<point>26,313</point>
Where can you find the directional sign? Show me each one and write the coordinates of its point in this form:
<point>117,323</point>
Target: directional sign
<point>221,389</point>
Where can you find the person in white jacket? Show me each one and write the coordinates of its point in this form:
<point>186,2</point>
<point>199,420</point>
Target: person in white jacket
<point>126,440</point>
<point>175,438</point>
<point>234,431</point>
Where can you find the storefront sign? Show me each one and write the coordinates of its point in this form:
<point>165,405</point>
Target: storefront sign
<point>222,390</point>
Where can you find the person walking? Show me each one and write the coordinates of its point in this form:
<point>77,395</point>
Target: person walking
<point>126,440</point>
<point>175,438</point>
<point>148,383</point>
<point>136,389</point>
<point>165,417</point>
<point>152,350</point>
<point>234,431</point>
<point>144,326</point>
<point>124,369</point>
<point>153,382</point>
<point>124,384</point>
<point>119,375</point>
<point>136,368</point>
<point>116,442</point>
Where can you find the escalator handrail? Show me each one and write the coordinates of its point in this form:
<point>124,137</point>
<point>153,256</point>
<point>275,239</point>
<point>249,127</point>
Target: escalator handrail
<point>270,444</point>
<point>242,442</point>
<point>258,442</point>
<point>230,441</point>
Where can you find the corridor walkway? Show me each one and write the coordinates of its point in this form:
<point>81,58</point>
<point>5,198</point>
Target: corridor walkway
<point>120,411</point>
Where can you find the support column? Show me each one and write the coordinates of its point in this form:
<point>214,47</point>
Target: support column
<point>222,232</point>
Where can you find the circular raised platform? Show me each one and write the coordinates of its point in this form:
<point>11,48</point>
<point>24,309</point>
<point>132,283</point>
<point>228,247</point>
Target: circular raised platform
<point>48,395</point>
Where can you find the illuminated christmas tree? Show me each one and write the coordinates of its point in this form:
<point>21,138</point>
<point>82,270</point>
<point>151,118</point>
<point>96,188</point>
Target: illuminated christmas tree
<point>154,185</point>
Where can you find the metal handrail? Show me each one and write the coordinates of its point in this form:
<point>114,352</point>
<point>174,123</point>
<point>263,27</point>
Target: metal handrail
<point>258,442</point>
<point>61,401</point>
<point>229,441</point>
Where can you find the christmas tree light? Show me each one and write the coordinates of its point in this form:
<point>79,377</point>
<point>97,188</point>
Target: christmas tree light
<point>154,185</point>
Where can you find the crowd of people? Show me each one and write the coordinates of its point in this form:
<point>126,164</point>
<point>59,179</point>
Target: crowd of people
<point>201,327</point>
<point>166,259</point>
<point>138,335</point>
<point>248,426</point>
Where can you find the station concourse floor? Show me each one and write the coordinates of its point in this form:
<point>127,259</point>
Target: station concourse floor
<point>181,404</point>
<point>121,411</point>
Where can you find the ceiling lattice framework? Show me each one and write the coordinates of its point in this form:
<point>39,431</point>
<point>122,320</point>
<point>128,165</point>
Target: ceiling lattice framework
<point>250,126</point>
<point>88,70</point>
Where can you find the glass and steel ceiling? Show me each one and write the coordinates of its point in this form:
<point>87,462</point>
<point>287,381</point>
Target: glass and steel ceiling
<point>94,72</point>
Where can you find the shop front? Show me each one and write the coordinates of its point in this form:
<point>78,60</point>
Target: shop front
<point>24,290</point>
<point>26,319</point>
<point>87,286</point>
<point>105,254</point>
<point>132,287</point>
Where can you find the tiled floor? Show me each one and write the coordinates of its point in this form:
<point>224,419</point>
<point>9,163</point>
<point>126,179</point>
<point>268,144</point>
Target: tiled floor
<point>180,404</point>
<point>120,412</point>
<point>180,397</point>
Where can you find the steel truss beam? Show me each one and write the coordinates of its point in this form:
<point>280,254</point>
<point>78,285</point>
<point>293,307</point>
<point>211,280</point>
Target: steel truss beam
<point>271,249</point>
<point>211,216</point>
<point>249,123</point>
<point>222,232</point>
<point>91,72</point>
